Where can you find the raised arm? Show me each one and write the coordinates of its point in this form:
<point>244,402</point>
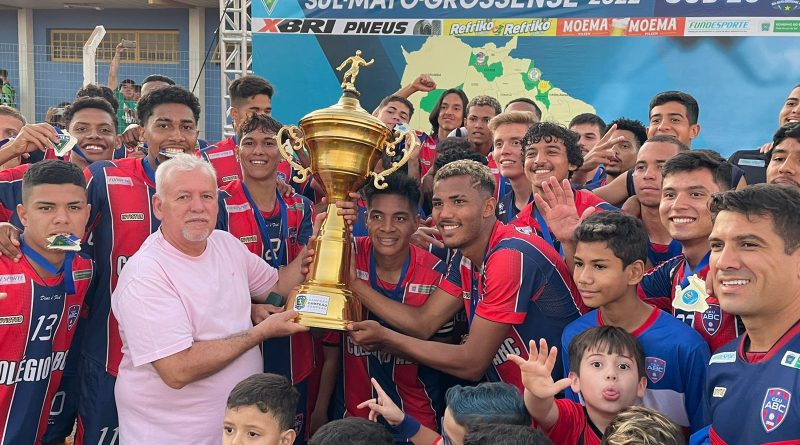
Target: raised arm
<point>113,68</point>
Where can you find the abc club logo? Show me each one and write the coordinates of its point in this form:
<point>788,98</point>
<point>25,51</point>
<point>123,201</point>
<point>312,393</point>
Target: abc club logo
<point>72,315</point>
<point>712,319</point>
<point>655,368</point>
<point>774,408</point>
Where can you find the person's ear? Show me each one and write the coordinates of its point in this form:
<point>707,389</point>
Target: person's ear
<point>23,215</point>
<point>287,437</point>
<point>576,382</point>
<point>641,387</point>
<point>634,272</point>
<point>694,130</point>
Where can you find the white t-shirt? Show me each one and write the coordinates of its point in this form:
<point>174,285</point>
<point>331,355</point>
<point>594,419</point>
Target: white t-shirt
<point>165,301</point>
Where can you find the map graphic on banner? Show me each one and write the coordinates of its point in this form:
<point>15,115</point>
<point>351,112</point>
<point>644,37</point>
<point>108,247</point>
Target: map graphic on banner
<point>739,59</point>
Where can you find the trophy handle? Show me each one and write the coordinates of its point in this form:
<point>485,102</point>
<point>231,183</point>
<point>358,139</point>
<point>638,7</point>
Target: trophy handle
<point>380,178</point>
<point>293,143</point>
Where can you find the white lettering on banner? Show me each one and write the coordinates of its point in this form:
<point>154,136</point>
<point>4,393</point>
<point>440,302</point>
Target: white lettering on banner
<point>450,4</point>
<point>585,25</point>
<point>31,370</point>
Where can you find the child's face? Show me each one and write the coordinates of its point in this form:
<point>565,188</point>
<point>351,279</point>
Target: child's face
<point>599,274</point>
<point>608,383</point>
<point>248,425</point>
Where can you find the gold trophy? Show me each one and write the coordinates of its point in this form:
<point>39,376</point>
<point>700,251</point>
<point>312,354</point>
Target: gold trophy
<point>344,143</point>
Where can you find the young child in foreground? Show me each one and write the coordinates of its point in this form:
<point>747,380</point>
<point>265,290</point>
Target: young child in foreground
<point>260,410</point>
<point>606,368</point>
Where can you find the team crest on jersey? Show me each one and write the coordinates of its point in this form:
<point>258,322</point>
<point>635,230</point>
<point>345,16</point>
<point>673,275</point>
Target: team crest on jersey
<point>136,216</point>
<point>72,315</point>
<point>712,319</point>
<point>655,368</point>
<point>775,408</point>
<point>282,176</point>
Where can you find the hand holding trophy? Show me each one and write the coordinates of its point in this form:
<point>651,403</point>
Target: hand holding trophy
<point>344,142</point>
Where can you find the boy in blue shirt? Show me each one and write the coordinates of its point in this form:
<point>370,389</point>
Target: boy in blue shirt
<point>609,263</point>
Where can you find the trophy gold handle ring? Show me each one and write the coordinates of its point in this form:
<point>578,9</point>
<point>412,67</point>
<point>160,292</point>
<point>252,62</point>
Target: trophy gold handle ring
<point>294,143</point>
<point>380,178</point>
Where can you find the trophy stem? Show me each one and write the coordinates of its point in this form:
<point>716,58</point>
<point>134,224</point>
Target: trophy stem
<point>323,301</point>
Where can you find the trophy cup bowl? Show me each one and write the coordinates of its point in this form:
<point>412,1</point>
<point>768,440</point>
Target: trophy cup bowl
<point>344,144</point>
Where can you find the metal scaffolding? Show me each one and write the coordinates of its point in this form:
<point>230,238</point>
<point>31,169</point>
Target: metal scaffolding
<point>235,51</point>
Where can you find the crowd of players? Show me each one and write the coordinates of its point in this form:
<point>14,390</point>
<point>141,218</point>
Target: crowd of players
<point>576,271</point>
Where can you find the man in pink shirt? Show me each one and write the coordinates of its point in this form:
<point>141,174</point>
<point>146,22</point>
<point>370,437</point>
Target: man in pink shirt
<point>183,306</point>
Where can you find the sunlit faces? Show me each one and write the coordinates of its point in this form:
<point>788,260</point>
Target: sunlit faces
<point>599,274</point>
<point>647,171</point>
<point>451,113</point>
<point>507,150</point>
<point>672,119</point>
<point>478,118</point>
<point>394,113</point>
<point>171,129</point>
<point>791,108</point>
<point>608,382</point>
<point>391,220</point>
<point>459,209</point>
<point>96,132</point>
<point>248,425</point>
<point>784,164</point>
<point>260,103</point>
<point>752,273</point>
<point>684,204</point>
<point>590,136</point>
<point>624,153</point>
<point>258,155</point>
<point>187,206</point>
<point>545,159</point>
<point>53,209</point>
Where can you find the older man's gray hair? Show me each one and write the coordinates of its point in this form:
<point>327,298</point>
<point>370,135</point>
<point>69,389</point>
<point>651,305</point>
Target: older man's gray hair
<point>182,162</point>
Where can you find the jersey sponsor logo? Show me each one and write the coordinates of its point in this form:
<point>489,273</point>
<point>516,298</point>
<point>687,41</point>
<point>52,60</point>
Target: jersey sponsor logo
<point>220,154</point>
<point>791,359</point>
<point>362,275</point>
<point>249,239</point>
<point>231,208</point>
<point>655,368</point>
<point>723,357</point>
<point>712,319</point>
<point>72,315</point>
<point>31,370</point>
<point>135,216</point>
<point>421,288</point>
<point>774,408</point>
<point>525,230</point>
<point>17,278</point>
<point>507,347</point>
<point>719,391</point>
<point>82,274</point>
<point>11,319</point>
<point>230,178</point>
<point>119,180</point>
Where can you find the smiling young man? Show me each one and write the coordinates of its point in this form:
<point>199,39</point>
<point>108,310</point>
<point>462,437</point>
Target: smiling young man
<point>689,180</point>
<point>274,227</point>
<point>755,274</point>
<point>514,188</point>
<point>513,286</point>
<point>42,295</point>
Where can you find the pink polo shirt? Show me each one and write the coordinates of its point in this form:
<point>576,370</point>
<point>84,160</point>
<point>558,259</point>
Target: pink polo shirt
<point>165,301</point>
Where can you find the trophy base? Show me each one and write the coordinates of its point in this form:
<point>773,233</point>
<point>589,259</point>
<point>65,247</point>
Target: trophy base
<point>325,307</point>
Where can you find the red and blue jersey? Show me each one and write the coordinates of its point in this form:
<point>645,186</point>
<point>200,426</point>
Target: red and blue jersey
<point>222,156</point>
<point>38,320</point>
<point>658,288</point>
<point>530,216</point>
<point>416,389</point>
<point>507,210</point>
<point>121,218</point>
<point>675,359</point>
<point>286,230</point>
<point>659,253</point>
<point>573,427</point>
<point>11,193</point>
<point>754,399</point>
<point>427,152</point>
<point>523,283</point>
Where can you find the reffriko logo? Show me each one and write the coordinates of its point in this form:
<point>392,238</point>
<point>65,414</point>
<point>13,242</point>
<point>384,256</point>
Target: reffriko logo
<point>501,27</point>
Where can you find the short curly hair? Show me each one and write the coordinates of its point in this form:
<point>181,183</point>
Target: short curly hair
<point>479,174</point>
<point>168,95</point>
<point>549,132</point>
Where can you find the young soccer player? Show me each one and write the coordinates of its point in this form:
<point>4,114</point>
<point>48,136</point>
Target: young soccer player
<point>609,264</point>
<point>514,189</point>
<point>42,296</point>
<point>260,411</point>
<point>388,266</point>
<point>275,227</point>
<point>607,369</point>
